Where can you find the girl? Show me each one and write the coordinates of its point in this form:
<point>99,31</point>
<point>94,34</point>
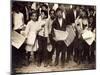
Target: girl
<point>30,33</point>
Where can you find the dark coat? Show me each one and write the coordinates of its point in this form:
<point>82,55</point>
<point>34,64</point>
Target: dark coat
<point>57,26</point>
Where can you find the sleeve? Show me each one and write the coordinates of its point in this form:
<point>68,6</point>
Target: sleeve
<point>46,29</point>
<point>27,29</point>
<point>52,30</point>
<point>22,17</point>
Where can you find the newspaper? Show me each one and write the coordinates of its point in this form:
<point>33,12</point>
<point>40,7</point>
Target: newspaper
<point>17,39</point>
<point>60,35</point>
<point>66,36</point>
<point>71,35</point>
<point>88,36</point>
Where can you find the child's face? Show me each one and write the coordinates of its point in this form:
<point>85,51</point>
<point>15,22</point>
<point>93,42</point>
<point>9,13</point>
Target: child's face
<point>34,17</point>
<point>43,15</point>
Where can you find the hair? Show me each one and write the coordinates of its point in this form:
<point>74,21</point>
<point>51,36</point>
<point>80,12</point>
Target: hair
<point>33,12</point>
<point>59,9</point>
<point>45,6</point>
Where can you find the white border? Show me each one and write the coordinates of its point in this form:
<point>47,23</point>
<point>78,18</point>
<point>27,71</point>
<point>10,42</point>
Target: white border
<point>85,2</point>
<point>5,37</point>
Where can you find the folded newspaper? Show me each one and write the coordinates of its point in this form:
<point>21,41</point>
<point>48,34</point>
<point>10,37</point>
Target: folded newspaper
<point>71,35</point>
<point>66,36</point>
<point>60,35</point>
<point>17,39</point>
<point>88,36</point>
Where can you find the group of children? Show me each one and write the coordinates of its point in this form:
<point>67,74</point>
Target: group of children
<point>39,32</point>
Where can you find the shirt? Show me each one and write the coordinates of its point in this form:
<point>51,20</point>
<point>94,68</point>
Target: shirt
<point>32,26</point>
<point>49,23</point>
<point>60,22</point>
<point>44,31</point>
<point>18,20</point>
<point>31,31</point>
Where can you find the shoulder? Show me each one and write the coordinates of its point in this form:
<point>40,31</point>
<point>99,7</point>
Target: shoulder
<point>29,22</point>
<point>21,14</point>
<point>55,21</point>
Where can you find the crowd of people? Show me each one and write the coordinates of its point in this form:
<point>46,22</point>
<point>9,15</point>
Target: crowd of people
<point>37,22</point>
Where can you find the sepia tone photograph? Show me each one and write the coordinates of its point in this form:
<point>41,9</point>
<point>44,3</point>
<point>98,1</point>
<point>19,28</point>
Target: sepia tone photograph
<point>52,37</point>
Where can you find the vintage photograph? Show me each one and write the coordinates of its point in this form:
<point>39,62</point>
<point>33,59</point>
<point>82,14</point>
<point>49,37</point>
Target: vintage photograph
<point>52,37</point>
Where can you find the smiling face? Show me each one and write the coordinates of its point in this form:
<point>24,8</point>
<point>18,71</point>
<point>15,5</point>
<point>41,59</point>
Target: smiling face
<point>34,17</point>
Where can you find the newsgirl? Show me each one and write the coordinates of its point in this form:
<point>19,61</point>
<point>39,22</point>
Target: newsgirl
<point>30,33</point>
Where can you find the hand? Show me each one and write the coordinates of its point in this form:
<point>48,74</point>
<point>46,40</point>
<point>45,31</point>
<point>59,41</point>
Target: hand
<point>23,28</point>
<point>23,33</point>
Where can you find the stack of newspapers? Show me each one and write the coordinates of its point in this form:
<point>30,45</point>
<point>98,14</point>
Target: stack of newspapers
<point>66,36</point>
<point>88,36</point>
<point>60,35</point>
<point>17,39</point>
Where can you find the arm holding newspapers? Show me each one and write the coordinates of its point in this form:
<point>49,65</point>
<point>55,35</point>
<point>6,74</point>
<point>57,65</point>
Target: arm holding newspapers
<point>59,34</point>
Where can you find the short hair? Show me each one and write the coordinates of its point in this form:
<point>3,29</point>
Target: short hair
<point>34,12</point>
<point>59,9</point>
<point>45,6</point>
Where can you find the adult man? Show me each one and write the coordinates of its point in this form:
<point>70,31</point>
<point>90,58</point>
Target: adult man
<point>50,39</point>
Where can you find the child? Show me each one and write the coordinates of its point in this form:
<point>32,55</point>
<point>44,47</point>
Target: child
<point>42,39</point>
<point>59,24</point>
<point>30,32</point>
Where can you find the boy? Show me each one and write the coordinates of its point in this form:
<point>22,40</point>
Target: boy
<point>59,24</point>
